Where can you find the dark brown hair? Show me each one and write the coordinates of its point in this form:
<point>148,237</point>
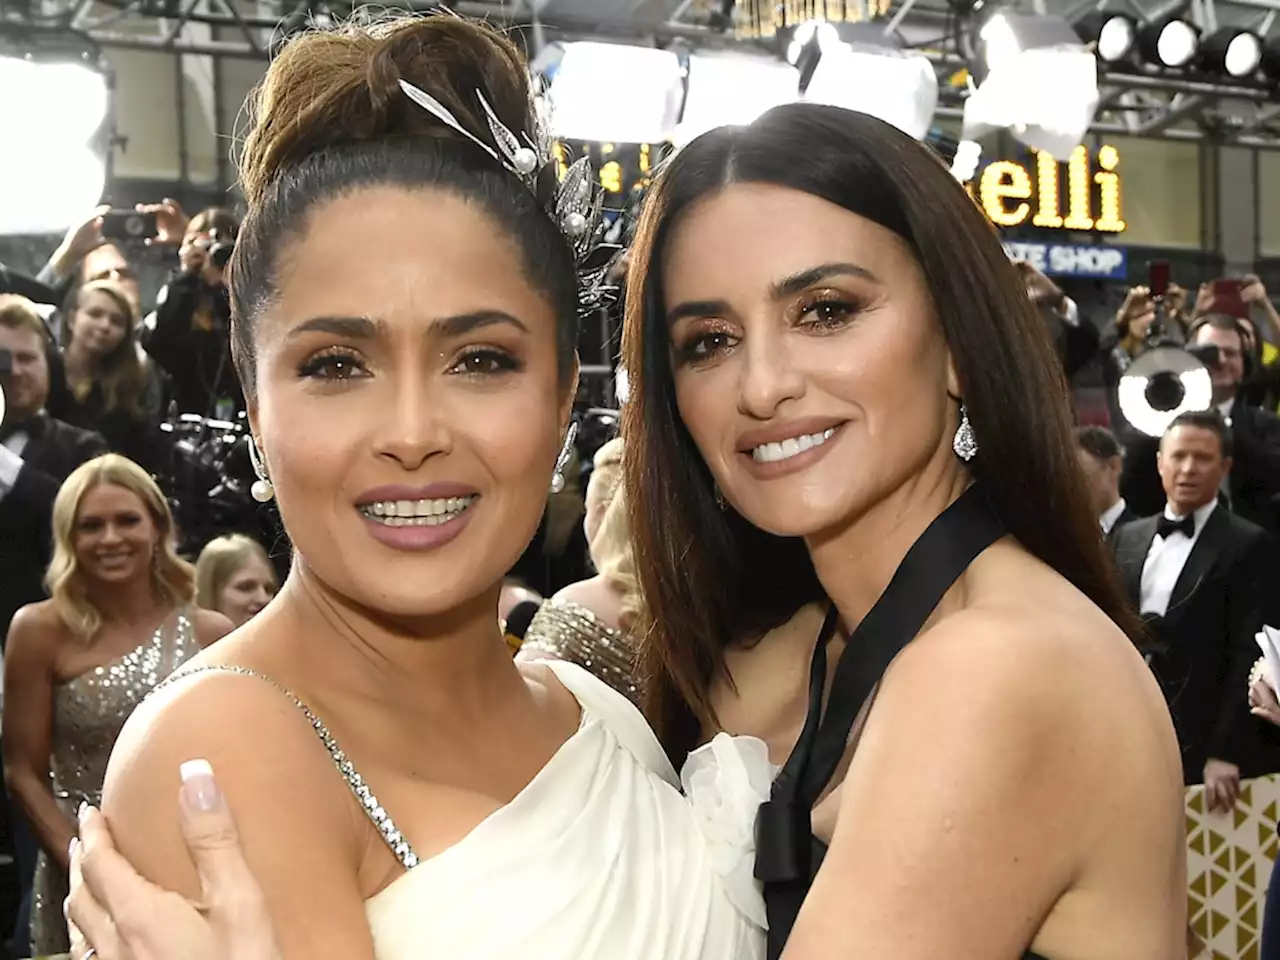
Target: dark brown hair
<point>707,577</point>
<point>330,118</point>
<point>1099,442</point>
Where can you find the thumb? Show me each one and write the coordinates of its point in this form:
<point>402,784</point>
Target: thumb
<point>213,842</point>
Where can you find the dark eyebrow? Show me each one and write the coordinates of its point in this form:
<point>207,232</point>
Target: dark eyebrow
<point>364,328</point>
<point>789,286</point>
<point>470,322</point>
<point>778,290</point>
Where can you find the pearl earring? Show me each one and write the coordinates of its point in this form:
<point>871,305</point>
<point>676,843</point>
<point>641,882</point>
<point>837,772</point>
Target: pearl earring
<point>566,451</point>
<point>261,490</point>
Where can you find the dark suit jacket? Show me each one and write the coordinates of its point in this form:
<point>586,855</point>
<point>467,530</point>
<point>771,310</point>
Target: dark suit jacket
<point>26,511</point>
<point>1255,472</point>
<point>1203,647</point>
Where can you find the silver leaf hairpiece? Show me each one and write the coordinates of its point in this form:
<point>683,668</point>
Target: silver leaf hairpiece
<point>576,205</point>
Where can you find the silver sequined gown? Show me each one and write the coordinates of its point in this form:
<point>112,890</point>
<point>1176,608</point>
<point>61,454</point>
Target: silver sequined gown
<point>569,631</point>
<point>88,714</point>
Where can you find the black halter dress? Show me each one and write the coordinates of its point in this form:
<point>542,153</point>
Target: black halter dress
<point>788,855</point>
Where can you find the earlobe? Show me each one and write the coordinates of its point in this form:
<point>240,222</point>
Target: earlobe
<point>571,392</point>
<point>953,381</point>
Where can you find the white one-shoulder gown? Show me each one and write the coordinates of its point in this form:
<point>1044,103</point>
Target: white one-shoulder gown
<point>600,857</point>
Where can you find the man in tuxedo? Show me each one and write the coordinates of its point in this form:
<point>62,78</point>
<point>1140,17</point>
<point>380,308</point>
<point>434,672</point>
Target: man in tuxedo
<point>1202,577</point>
<point>1252,488</point>
<point>1101,462</point>
<point>37,453</point>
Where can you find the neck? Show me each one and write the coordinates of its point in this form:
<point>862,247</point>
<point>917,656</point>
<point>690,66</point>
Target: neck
<point>453,665</point>
<point>1223,395</point>
<point>1115,501</point>
<point>130,602</point>
<point>1184,510</point>
<point>78,361</point>
<point>856,562</point>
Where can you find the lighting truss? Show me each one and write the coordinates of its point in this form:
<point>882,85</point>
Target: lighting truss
<point>1140,101</point>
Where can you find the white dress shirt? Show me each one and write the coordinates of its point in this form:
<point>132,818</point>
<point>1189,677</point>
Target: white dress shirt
<point>11,462</point>
<point>1165,560</point>
<point>1108,520</point>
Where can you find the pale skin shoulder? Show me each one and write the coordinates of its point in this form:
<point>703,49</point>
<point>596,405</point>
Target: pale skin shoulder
<point>1040,804</point>
<point>303,836</point>
<point>211,626</point>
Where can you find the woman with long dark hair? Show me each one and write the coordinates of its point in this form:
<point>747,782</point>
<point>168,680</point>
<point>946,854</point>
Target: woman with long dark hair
<point>840,389</point>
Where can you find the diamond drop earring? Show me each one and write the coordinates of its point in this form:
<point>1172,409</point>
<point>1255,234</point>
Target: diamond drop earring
<point>261,490</point>
<point>965,443</point>
<point>566,451</point>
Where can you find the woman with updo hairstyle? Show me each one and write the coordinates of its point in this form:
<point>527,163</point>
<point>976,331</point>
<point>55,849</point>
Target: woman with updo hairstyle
<point>77,665</point>
<point>589,622</point>
<point>404,314</point>
<point>234,576</point>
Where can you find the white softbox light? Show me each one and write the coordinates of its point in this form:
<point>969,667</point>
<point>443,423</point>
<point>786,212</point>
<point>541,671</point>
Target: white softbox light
<point>898,87</point>
<point>1038,82</point>
<point>49,112</point>
<point>733,90</point>
<point>613,92</point>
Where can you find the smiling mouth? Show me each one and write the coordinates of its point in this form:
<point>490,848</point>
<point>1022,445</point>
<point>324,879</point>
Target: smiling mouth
<point>791,447</point>
<point>417,513</point>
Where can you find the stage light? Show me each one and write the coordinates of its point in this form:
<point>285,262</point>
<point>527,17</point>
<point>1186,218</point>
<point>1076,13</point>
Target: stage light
<point>732,89</point>
<point>896,86</point>
<point>1169,43</point>
<point>1035,79</point>
<point>54,105</point>
<point>1235,53</point>
<point>1271,59</point>
<point>1112,34</point>
<point>613,92</point>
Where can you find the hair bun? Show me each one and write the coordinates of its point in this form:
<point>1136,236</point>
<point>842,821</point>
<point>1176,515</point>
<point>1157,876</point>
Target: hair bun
<point>342,85</point>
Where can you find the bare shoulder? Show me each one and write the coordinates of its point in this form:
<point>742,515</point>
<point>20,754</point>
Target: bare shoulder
<point>1045,671</point>
<point>273,770</point>
<point>594,594</point>
<point>36,629</point>
<point>211,626</point>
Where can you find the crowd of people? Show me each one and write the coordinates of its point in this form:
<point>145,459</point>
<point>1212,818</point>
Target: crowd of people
<point>848,475</point>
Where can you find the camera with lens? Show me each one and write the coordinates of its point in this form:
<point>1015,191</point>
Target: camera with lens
<point>221,247</point>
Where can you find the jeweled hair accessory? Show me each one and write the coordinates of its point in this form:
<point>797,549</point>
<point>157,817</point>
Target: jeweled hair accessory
<point>575,201</point>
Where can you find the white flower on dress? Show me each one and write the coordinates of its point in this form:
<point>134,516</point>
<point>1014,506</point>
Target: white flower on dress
<point>725,781</point>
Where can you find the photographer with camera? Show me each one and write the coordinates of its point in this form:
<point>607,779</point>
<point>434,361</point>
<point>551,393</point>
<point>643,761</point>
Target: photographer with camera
<point>96,249</point>
<point>1253,485</point>
<point>188,335</point>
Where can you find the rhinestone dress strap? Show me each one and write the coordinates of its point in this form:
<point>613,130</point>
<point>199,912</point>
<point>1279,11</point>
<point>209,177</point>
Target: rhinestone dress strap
<point>372,808</point>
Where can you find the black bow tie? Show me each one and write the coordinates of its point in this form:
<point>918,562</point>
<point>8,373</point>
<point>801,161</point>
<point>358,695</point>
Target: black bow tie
<point>1165,526</point>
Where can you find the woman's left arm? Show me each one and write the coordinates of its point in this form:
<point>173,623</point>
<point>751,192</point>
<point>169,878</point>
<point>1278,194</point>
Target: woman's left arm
<point>958,824</point>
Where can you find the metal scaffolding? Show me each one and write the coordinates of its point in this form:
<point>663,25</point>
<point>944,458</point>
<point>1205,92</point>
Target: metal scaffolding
<point>1136,100</point>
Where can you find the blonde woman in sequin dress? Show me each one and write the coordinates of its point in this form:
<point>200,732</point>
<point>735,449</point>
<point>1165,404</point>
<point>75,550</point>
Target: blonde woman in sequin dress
<point>589,622</point>
<point>119,621</point>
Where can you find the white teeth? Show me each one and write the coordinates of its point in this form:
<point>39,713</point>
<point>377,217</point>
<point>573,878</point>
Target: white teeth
<point>416,513</point>
<point>786,449</point>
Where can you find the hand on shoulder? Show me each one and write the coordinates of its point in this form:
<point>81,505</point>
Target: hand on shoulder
<point>294,812</point>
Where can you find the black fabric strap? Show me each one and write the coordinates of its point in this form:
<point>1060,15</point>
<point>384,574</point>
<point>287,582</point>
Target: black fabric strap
<point>784,841</point>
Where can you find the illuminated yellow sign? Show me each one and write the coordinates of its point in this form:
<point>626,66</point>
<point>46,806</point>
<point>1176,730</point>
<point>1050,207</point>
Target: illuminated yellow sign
<point>1011,196</point>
